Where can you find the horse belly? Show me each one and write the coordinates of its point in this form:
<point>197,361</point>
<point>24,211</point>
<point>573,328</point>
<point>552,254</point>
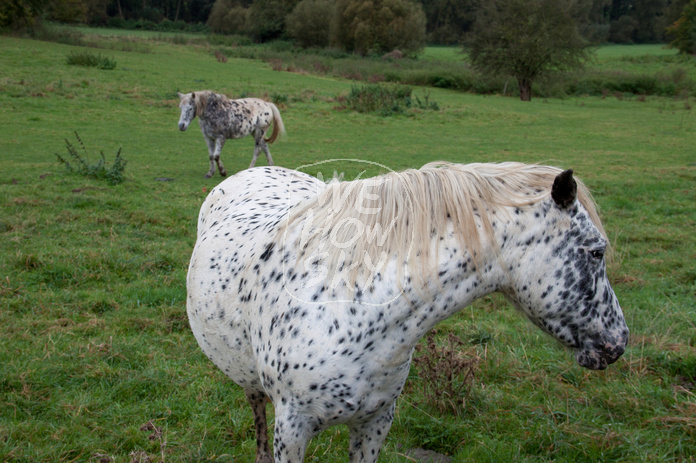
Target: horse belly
<point>219,328</point>
<point>237,128</point>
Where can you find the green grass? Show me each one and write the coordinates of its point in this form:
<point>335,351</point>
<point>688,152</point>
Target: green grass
<point>94,340</point>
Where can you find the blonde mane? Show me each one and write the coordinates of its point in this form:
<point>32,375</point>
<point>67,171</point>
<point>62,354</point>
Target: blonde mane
<point>201,100</point>
<point>406,213</point>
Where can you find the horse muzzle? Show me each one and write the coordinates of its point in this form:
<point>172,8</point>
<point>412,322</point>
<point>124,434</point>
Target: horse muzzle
<point>602,353</point>
<point>183,126</point>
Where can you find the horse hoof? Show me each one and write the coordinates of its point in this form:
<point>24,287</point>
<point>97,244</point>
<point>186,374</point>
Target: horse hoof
<point>208,175</point>
<point>224,174</point>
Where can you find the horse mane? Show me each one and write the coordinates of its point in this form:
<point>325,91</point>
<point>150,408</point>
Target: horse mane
<point>202,97</point>
<point>406,213</point>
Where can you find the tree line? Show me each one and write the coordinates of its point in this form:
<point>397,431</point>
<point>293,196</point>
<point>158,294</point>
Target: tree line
<point>445,22</point>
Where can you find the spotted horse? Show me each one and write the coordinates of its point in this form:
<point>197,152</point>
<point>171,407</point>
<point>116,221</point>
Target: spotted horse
<point>222,118</point>
<point>313,296</point>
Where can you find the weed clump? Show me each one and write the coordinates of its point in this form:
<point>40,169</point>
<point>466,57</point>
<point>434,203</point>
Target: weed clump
<point>447,371</point>
<point>113,174</point>
<point>90,60</point>
<point>386,100</point>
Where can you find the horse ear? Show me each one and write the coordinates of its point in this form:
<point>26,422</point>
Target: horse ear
<point>193,96</point>
<point>181,95</point>
<point>564,190</point>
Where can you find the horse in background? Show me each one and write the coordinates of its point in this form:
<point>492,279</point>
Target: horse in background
<point>222,119</point>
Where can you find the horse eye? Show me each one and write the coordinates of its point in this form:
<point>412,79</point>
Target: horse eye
<point>597,254</point>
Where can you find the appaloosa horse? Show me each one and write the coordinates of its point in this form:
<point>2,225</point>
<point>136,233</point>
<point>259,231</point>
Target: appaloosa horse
<point>221,118</point>
<point>313,296</point>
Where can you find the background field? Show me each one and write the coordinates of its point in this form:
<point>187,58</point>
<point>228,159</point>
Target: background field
<point>94,340</point>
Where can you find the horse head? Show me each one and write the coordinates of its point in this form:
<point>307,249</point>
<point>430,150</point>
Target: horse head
<point>187,104</point>
<point>558,277</point>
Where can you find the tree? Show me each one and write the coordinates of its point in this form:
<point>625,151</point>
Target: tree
<point>448,20</point>
<point>21,13</point>
<point>526,39</point>
<point>684,30</point>
<point>266,19</point>
<point>378,26</point>
<point>228,17</point>
<point>310,22</point>
<point>592,17</point>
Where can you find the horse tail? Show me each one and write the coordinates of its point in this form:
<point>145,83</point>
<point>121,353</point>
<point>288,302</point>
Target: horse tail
<point>278,126</point>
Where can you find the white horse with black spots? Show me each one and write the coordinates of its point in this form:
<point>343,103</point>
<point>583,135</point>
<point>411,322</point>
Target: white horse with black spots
<point>221,119</point>
<point>313,296</point>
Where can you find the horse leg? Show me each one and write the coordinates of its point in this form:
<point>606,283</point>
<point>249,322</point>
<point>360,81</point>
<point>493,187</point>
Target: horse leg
<point>219,143</point>
<point>291,434</point>
<point>258,401</point>
<point>211,152</point>
<point>257,150</point>
<point>366,438</point>
<point>264,146</point>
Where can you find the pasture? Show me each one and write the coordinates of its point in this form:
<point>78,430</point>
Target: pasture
<point>97,362</point>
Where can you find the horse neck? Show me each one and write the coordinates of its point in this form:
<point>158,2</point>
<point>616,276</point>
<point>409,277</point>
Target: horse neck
<point>456,282</point>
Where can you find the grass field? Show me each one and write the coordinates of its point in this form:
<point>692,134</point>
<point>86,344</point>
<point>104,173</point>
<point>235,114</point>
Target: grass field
<point>94,339</point>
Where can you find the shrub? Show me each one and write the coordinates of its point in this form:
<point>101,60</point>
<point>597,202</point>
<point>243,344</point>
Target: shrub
<point>116,22</point>
<point>662,84</point>
<point>310,22</point>
<point>90,60</point>
<point>279,99</point>
<point>171,26</point>
<point>50,33</point>
<point>378,26</point>
<point>385,100</point>
<point>229,40</point>
<point>447,371</point>
<point>112,174</point>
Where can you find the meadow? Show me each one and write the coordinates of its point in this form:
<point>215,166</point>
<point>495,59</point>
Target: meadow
<point>97,362</point>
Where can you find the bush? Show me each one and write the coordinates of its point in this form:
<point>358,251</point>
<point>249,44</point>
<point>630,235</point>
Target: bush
<point>378,26</point>
<point>91,60</point>
<point>116,22</point>
<point>50,33</point>
<point>385,100</point>
<point>229,40</point>
<point>447,370</point>
<point>112,174</point>
<point>309,23</point>
<point>661,84</point>
<point>171,26</point>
